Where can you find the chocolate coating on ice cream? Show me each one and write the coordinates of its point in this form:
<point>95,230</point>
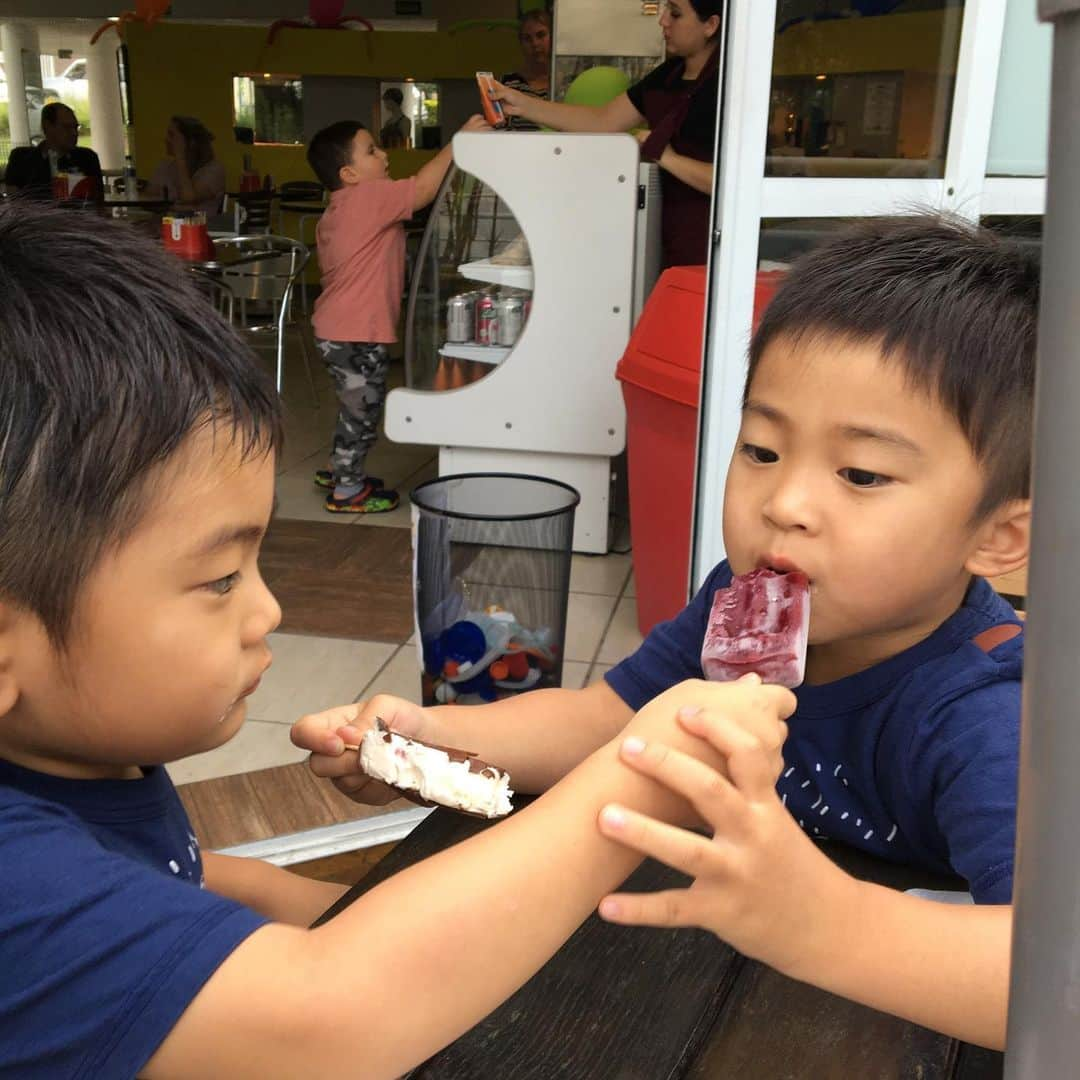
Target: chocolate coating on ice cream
<point>433,775</point>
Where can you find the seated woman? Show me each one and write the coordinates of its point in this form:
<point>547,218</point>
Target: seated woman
<point>190,176</point>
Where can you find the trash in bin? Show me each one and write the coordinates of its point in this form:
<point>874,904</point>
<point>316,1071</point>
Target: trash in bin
<point>491,581</point>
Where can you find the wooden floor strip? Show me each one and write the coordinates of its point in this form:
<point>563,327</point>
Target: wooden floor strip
<point>232,810</point>
<point>337,581</point>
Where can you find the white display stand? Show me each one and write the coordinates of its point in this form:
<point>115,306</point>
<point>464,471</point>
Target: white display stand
<point>551,405</point>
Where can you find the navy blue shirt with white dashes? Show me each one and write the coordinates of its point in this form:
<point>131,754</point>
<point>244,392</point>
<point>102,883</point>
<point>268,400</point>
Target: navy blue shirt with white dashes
<point>914,760</point>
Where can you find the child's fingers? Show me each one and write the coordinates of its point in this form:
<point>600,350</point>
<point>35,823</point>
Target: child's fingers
<point>731,736</point>
<point>754,772</point>
<point>362,788</point>
<point>674,907</point>
<point>332,766</point>
<point>318,732</point>
<point>703,787</point>
<point>751,746</point>
<point>686,851</point>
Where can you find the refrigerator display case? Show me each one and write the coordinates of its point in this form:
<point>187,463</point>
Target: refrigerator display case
<point>539,250</point>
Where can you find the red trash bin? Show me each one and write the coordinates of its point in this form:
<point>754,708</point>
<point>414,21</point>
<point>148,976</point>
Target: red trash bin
<point>661,380</point>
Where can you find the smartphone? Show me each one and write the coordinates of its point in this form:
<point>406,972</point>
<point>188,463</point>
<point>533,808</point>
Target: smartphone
<point>493,110</point>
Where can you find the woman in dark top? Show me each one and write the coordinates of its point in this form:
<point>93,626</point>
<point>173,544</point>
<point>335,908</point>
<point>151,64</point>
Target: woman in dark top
<point>534,76</point>
<point>678,101</point>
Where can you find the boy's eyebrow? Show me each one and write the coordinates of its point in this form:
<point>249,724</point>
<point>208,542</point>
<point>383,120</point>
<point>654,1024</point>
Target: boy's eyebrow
<point>892,438</point>
<point>224,537</point>
<point>766,411</point>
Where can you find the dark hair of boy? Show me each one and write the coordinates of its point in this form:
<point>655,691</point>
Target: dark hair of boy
<point>102,377</point>
<point>954,304</point>
<point>330,149</point>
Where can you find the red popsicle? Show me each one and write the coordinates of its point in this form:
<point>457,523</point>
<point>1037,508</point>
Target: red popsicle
<point>759,624</point>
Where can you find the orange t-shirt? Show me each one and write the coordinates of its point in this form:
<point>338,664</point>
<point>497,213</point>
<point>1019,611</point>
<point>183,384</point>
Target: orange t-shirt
<point>362,258</point>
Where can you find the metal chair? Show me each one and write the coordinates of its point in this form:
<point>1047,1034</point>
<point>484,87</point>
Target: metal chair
<point>306,199</point>
<point>261,273</point>
<point>216,291</point>
<point>251,212</point>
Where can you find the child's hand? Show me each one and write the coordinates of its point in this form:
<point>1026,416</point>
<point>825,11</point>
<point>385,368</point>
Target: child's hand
<point>757,708</point>
<point>476,123</point>
<point>326,735</point>
<point>759,882</point>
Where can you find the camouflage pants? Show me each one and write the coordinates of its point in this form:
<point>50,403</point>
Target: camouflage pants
<point>358,369</point>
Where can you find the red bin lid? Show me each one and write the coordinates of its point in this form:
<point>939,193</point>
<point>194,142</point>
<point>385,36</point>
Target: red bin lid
<point>664,352</point>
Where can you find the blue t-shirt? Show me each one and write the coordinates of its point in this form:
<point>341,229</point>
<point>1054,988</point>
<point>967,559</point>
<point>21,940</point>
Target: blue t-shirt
<point>913,760</point>
<point>106,935</point>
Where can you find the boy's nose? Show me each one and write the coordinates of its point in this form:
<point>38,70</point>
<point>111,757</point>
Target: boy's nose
<point>790,505</point>
<point>265,616</point>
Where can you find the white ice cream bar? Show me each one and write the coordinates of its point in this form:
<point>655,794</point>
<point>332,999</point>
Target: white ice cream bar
<point>432,773</point>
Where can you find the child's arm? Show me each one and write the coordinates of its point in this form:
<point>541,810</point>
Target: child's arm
<point>278,894</point>
<point>423,956</point>
<point>762,885</point>
<point>431,174</point>
<point>536,737</point>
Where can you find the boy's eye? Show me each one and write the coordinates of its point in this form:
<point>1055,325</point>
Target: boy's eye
<point>864,478</point>
<point>760,455</point>
<point>223,585</point>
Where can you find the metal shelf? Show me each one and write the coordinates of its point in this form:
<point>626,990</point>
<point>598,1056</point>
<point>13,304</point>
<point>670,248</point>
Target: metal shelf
<point>517,277</point>
<point>484,354</point>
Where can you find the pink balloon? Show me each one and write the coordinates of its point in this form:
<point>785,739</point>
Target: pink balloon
<point>325,12</point>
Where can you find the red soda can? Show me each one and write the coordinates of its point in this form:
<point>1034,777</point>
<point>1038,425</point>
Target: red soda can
<point>487,320</point>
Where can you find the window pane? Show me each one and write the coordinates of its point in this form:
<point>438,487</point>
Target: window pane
<point>862,88</point>
<point>270,105</point>
<point>1021,126</point>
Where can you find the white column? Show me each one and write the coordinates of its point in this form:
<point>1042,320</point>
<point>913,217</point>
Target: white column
<point>747,75</point>
<point>106,117</point>
<point>16,37</point>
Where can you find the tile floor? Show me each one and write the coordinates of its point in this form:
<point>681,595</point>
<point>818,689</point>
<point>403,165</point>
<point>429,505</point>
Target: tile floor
<point>312,673</point>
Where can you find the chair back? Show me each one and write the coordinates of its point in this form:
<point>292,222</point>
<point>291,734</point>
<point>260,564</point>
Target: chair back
<point>268,278</point>
<point>254,212</point>
<point>302,191</point>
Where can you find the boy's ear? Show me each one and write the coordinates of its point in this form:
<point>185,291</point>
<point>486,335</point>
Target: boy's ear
<point>9,685</point>
<point>1003,540</point>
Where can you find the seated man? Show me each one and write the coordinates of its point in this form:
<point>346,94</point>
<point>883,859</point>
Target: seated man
<point>31,169</point>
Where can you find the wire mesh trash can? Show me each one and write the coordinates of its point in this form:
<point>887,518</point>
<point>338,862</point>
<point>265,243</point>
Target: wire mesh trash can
<point>491,581</point>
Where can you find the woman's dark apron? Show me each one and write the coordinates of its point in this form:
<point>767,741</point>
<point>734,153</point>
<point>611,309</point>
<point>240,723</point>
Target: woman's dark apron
<point>685,214</point>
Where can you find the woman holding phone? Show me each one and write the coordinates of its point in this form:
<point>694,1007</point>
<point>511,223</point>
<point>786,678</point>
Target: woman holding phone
<point>678,102</point>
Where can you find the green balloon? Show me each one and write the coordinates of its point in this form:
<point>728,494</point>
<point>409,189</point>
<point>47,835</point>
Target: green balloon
<point>597,86</point>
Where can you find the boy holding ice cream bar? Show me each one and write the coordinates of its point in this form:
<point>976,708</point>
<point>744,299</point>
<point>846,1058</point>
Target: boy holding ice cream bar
<point>884,454</point>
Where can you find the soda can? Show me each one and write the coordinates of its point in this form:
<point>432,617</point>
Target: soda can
<point>510,312</point>
<point>461,318</point>
<point>487,320</point>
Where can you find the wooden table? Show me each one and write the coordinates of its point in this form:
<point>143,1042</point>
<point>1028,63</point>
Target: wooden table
<point>618,1003</point>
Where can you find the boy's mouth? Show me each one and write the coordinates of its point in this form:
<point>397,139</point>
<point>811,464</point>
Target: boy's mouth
<point>250,690</point>
<point>780,565</point>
